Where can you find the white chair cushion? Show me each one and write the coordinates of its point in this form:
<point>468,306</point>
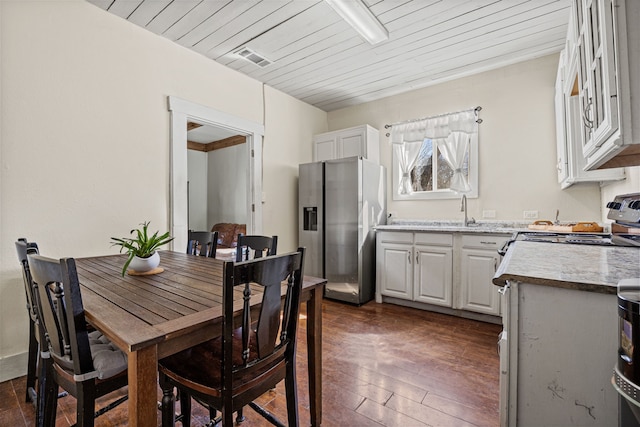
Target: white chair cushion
<point>108,360</point>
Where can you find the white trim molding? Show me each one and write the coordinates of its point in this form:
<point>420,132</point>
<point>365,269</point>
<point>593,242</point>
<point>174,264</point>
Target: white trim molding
<point>183,111</point>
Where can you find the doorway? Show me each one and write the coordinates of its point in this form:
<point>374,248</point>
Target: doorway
<point>183,112</point>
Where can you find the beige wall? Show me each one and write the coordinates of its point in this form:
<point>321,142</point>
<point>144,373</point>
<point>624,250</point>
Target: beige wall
<point>85,138</point>
<point>517,145</point>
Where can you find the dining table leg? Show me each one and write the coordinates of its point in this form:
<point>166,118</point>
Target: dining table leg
<point>143,387</point>
<point>314,354</point>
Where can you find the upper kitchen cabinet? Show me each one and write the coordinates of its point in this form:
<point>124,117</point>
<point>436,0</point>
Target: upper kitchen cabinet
<point>360,141</point>
<point>571,161</point>
<point>606,36</point>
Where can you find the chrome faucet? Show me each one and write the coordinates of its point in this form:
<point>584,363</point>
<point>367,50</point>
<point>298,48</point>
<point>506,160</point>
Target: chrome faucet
<point>463,208</point>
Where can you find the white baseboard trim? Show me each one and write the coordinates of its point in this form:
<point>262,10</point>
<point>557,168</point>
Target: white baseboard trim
<point>13,366</point>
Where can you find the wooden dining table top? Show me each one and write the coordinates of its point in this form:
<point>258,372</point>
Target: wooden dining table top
<point>163,313</point>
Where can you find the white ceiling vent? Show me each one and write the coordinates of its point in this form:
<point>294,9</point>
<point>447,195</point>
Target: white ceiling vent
<point>251,56</point>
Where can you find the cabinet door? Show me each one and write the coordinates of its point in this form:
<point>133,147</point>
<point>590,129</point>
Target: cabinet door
<point>432,275</point>
<point>352,142</point>
<point>599,91</point>
<point>477,291</point>
<point>561,125</point>
<point>325,148</point>
<point>396,268</point>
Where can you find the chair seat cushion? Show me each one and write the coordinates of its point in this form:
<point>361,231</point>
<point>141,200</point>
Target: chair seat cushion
<point>108,360</point>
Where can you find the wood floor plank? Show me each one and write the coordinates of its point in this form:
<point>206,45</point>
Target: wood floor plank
<point>387,416</point>
<point>435,417</point>
<point>383,365</point>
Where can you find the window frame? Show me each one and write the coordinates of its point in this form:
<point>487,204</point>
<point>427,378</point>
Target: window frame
<point>438,194</point>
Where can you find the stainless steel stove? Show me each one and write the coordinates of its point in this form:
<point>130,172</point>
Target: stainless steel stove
<point>624,210</point>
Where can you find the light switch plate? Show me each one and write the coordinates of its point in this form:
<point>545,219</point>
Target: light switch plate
<point>530,214</point>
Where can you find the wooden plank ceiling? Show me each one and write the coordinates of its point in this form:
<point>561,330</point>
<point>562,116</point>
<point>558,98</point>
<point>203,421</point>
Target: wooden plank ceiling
<point>318,58</point>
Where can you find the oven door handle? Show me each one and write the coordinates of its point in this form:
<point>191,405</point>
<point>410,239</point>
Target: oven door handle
<point>503,250</point>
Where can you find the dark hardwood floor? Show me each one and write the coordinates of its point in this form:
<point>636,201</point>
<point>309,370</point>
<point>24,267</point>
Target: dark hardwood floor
<point>383,365</point>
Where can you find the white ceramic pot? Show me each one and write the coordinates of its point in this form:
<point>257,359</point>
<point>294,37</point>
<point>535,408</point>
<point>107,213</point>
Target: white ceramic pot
<point>141,265</point>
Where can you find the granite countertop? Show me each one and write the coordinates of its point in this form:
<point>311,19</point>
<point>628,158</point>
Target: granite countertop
<point>453,226</point>
<point>583,267</point>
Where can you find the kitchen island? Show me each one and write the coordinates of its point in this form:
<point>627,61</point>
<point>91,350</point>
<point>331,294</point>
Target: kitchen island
<point>560,332</point>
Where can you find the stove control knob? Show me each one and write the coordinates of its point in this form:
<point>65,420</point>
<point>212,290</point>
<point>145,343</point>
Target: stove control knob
<point>614,205</point>
<point>635,205</point>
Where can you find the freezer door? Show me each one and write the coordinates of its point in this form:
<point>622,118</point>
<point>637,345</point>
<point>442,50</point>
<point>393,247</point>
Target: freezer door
<point>343,200</point>
<point>311,216</point>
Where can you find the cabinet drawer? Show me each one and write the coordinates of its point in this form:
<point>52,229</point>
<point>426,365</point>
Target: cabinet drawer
<point>394,237</point>
<point>435,239</point>
<point>484,241</point>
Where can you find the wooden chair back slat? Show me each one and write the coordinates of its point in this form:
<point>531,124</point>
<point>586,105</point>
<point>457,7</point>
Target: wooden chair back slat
<point>253,246</point>
<point>203,243</point>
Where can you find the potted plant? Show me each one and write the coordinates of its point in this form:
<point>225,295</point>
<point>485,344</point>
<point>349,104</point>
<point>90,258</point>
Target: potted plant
<point>141,249</point>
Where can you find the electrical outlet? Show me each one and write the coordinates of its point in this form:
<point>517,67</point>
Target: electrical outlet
<point>488,214</point>
<point>530,214</point>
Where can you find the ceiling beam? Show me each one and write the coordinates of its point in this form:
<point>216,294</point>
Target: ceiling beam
<point>192,125</point>
<point>216,145</point>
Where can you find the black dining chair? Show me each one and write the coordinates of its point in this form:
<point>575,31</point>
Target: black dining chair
<point>203,243</point>
<point>231,371</point>
<point>260,245</point>
<point>86,365</point>
<point>36,333</point>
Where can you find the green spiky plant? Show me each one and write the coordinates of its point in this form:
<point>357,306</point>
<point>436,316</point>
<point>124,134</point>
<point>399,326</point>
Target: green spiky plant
<point>142,245</point>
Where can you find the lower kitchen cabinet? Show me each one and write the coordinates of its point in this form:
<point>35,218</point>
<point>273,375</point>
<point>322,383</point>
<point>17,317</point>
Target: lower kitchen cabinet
<point>415,266</point>
<point>451,270</point>
<point>433,268</point>
<point>396,278</point>
<point>557,353</point>
<point>479,262</point>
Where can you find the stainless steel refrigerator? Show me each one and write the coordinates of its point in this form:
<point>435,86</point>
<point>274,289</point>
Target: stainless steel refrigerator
<point>340,202</point>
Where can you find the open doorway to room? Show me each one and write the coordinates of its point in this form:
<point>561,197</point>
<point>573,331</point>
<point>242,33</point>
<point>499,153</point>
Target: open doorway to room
<point>217,162</point>
<point>184,112</point>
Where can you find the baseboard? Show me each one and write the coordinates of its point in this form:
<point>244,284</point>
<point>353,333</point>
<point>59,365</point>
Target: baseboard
<point>444,310</point>
<point>13,366</point>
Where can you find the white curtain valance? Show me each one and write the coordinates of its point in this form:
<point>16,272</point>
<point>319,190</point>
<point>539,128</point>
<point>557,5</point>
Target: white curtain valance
<point>438,127</point>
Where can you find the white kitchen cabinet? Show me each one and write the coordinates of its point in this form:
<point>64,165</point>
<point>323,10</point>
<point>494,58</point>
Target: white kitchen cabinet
<point>394,267</point>
<point>479,262</point>
<point>360,141</point>
<point>433,267</point>
<point>558,350</point>
<point>569,135</point>
<point>607,36</point>
<point>415,266</point>
<point>452,270</point>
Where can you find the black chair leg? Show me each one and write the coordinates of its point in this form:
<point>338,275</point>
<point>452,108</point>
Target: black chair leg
<point>292,396</point>
<point>168,403</point>
<point>86,405</point>
<point>185,408</point>
<point>32,364</point>
<point>41,394</point>
<point>240,417</point>
<point>50,396</point>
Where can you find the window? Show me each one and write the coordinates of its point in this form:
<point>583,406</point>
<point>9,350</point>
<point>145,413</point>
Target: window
<point>427,166</point>
<point>436,158</point>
